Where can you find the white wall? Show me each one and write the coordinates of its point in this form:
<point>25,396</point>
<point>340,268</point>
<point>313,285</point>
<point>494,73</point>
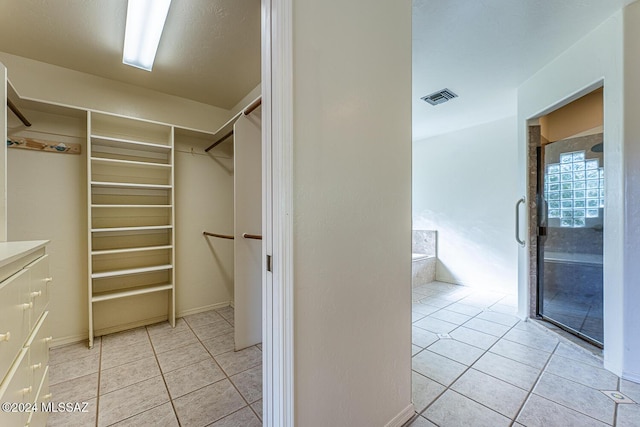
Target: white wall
<point>47,199</point>
<point>465,187</point>
<point>204,202</point>
<point>599,55</point>
<point>631,290</point>
<point>3,155</point>
<point>352,211</point>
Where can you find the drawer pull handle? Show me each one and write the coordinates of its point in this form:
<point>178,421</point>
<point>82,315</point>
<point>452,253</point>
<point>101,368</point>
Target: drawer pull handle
<point>27,306</point>
<point>27,390</point>
<point>36,294</point>
<point>47,396</point>
<point>48,279</point>
<point>48,339</point>
<point>36,366</point>
<point>5,337</point>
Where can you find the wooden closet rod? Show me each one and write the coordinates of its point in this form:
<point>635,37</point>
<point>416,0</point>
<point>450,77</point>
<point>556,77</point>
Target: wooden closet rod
<point>255,104</point>
<point>17,112</point>
<point>248,110</point>
<point>222,236</point>
<point>220,140</point>
<point>252,236</point>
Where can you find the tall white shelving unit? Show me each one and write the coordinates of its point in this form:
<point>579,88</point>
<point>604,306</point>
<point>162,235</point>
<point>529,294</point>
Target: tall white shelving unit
<point>130,170</point>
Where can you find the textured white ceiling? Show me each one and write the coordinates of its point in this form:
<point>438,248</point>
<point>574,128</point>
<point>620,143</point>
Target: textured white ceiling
<point>484,49</point>
<point>209,51</point>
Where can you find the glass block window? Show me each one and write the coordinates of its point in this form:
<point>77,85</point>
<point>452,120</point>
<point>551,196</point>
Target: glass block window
<point>574,189</point>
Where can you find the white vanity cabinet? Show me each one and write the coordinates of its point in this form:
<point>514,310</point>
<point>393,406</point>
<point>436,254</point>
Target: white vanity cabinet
<point>24,333</point>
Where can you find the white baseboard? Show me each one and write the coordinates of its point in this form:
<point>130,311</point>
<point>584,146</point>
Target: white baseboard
<point>58,342</point>
<point>205,308</point>
<point>404,416</point>
<point>634,377</point>
<point>70,339</point>
<point>127,326</point>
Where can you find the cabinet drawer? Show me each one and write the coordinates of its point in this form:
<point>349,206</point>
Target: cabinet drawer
<point>15,388</point>
<point>38,344</point>
<point>39,419</point>
<point>39,286</point>
<point>14,318</point>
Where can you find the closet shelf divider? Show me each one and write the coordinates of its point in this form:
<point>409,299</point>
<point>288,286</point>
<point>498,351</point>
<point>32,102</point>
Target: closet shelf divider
<point>139,290</point>
<point>141,228</point>
<point>131,185</point>
<point>129,250</point>
<point>128,144</point>
<point>101,206</point>
<point>131,271</point>
<point>131,163</point>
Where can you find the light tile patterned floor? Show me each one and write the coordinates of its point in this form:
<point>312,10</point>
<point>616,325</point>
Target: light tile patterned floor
<point>492,370</point>
<point>495,370</point>
<point>161,376</point>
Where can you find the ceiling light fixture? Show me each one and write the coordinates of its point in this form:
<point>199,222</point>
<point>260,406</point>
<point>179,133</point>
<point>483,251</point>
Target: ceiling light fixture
<point>145,21</point>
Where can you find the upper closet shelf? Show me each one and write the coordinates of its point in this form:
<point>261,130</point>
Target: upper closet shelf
<point>130,185</point>
<point>129,144</point>
<point>226,130</point>
<point>139,290</point>
<point>100,206</point>
<point>132,163</point>
<point>129,250</point>
<point>142,228</point>
<point>129,271</point>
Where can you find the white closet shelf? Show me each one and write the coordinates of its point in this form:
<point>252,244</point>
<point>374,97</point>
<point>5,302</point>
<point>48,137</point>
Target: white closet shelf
<point>142,228</point>
<point>131,185</point>
<point>131,271</point>
<point>108,141</point>
<point>128,250</point>
<point>139,290</point>
<point>131,206</point>
<point>131,163</point>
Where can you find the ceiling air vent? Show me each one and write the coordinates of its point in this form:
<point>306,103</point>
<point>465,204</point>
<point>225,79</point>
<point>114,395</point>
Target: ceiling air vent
<point>439,97</point>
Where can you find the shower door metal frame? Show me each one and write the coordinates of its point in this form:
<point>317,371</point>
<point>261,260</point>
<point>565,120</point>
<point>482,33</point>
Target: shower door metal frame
<point>539,234</point>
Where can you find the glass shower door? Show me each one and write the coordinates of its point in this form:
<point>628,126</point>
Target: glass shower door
<point>570,235</point>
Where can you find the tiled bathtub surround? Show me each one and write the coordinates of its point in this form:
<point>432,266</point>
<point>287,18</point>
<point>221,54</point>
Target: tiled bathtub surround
<point>424,242</point>
<point>491,369</point>
<point>423,266</point>
<point>161,376</point>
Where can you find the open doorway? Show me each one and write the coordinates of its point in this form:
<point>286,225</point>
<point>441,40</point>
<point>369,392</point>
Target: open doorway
<point>567,218</point>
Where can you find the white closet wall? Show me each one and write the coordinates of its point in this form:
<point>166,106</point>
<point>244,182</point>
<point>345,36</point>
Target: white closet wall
<point>47,200</point>
<point>3,155</point>
<point>204,202</point>
<point>247,141</point>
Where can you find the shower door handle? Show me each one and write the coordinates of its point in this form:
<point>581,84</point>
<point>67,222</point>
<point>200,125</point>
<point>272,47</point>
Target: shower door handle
<point>518,203</point>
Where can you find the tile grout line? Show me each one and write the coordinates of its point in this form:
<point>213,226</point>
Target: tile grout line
<point>617,405</point>
<point>225,372</point>
<point>566,379</point>
<point>459,376</point>
<point>155,355</point>
<point>98,388</point>
<point>530,392</point>
<point>512,420</point>
<point>542,370</point>
<point>138,382</point>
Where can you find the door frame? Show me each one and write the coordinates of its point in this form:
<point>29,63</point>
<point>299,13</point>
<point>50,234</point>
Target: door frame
<point>537,144</point>
<point>277,202</point>
<point>528,271</point>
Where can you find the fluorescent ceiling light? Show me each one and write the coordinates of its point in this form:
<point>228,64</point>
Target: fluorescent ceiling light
<point>145,21</point>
